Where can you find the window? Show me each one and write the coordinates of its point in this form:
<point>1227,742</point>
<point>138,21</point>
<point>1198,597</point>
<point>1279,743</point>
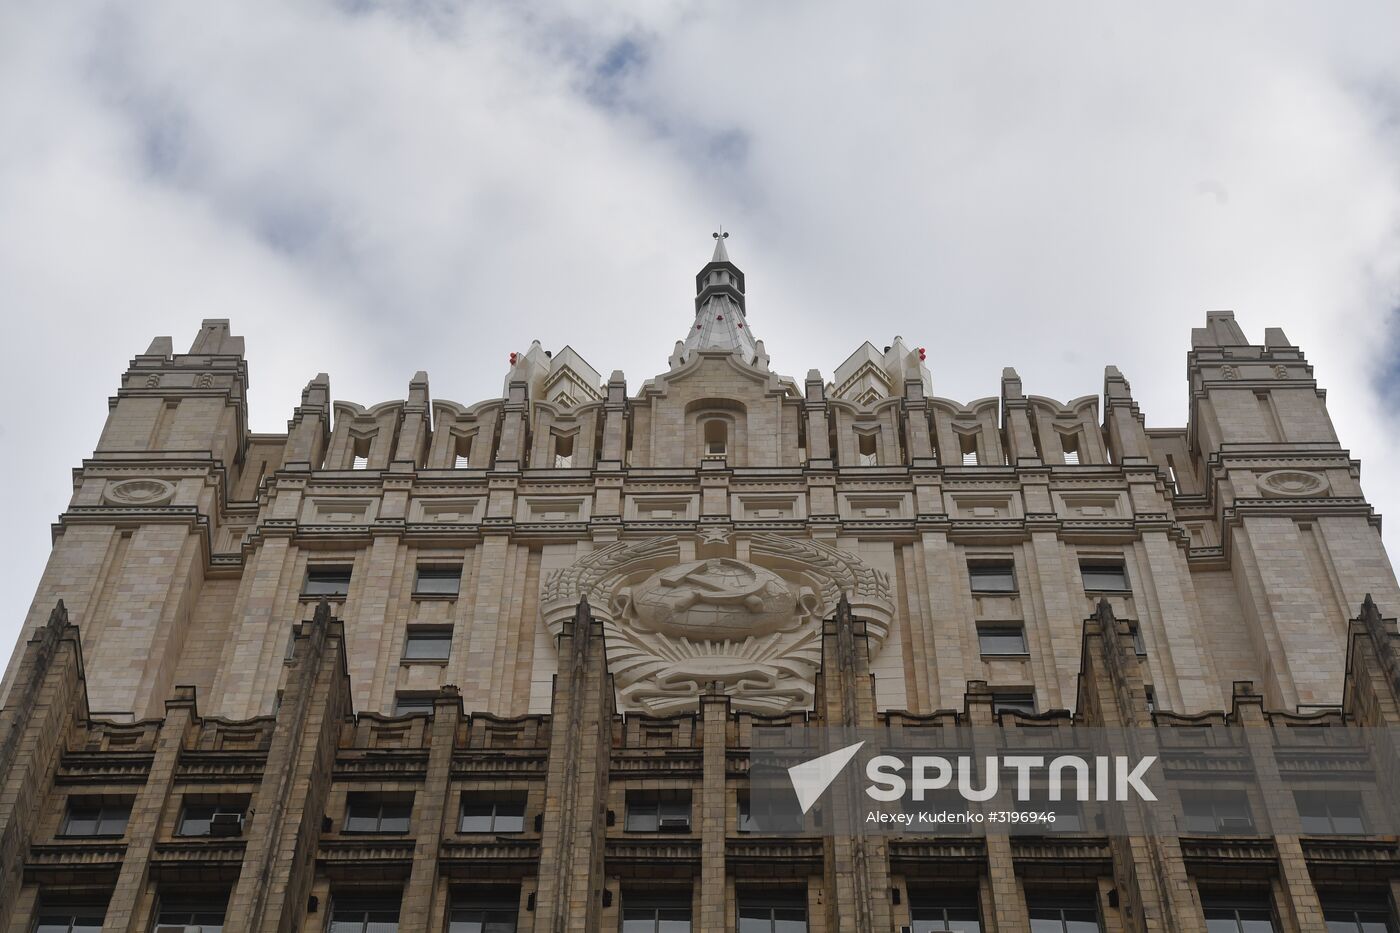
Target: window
<point>491,911</point>
<point>1079,916</point>
<point>462,452</point>
<point>190,917</point>
<point>359,463</point>
<point>435,580</point>
<point>642,913</point>
<point>772,913</point>
<point>364,916</point>
<point>650,813</point>
<point>326,581</point>
<point>92,818</point>
<point>372,813</point>
<point>427,646</point>
<point>1104,577</point>
<point>932,914</point>
<point>1001,639</point>
<point>769,818</point>
<point>70,919</point>
<point>868,455</point>
<point>211,819</point>
<point>1236,916</point>
<point>406,704</point>
<point>1013,702</point>
<point>1216,811</point>
<point>1069,446</point>
<point>359,457</point>
<point>563,451</point>
<point>1323,812</point>
<point>484,814</point>
<point>967,444</point>
<point>1139,645</point>
<point>1069,815</point>
<point>997,577</point>
<point>1372,916</point>
<point>947,808</point>
<point>716,437</point>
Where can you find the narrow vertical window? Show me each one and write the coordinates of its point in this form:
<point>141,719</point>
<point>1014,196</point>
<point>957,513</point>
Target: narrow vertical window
<point>1069,445</point>
<point>360,454</point>
<point>563,451</point>
<point>716,437</point>
<point>868,455</point>
<point>462,452</point>
<point>968,444</point>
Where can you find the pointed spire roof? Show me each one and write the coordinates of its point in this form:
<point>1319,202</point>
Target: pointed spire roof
<point>721,254</point>
<point>720,322</point>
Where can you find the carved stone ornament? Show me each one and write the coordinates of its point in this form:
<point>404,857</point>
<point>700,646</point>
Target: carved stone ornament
<point>1290,484</point>
<point>674,625</point>
<point>139,492</point>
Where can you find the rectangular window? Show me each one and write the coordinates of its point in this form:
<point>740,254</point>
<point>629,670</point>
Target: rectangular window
<point>563,451</point>
<point>1076,916</point>
<point>772,912</point>
<point>1069,814</point>
<point>406,704</point>
<point>769,818</point>
<point>1323,813</point>
<point>211,819</point>
<point>1233,915</point>
<point>1217,812</point>
<point>190,916</point>
<point>946,809</point>
<point>495,910</point>
<point>967,446</point>
<point>427,645</point>
<point>992,577</point>
<point>646,912</point>
<point>462,452</point>
<point>437,580</point>
<point>933,913</point>
<point>1013,702</point>
<point>650,813</point>
<point>869,455</point>
<point>995,640</point>
<point>90,818</point>
<point>70,918</point>
<point>1371,915</point>
<point>492,814</point>
<point>1104,578</point>
<point>364,916</point>
<point>326,581</point>
<point>1139,645</point>
<point>373,813</point>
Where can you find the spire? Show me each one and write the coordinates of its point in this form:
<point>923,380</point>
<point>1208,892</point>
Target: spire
<point>720,322</point>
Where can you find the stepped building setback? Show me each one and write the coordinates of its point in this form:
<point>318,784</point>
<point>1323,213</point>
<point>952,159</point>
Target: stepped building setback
<point>493,667</point>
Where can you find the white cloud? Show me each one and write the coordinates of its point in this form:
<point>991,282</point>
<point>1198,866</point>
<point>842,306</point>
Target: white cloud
<point>374,190</point>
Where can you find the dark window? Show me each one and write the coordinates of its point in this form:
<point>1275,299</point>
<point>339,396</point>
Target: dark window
<point>867,450</point>
<point>716,437</point>
<point>772,913</point>
<point>992,577</point>
<point>1217,811</point>
<point>95,819</point>
<point>1372,916</point>
<point>1013,702</point>
<point>1069,815</point>
<point>438,581</point>
<point>1001,639</point>
<point>211,819</point>
<point>771,817</point>
<point>945,809</point>
<point>72,919</point>
<point>935,914</point>
<point>371,813</point>
<point>1139,645</point>
<point>1079,916</point>
<point>649,813</point>
<point>427,646</point>
<point>650,913</point>
<point>326,581</point>
<point>495,912</point>
<point>364,916</point>
<point>500,814</point>
<point>1329,812</point>
<point>1104,578</point>
<point>190,916</point>
<point>1238,916</point>
<point>408,703</point>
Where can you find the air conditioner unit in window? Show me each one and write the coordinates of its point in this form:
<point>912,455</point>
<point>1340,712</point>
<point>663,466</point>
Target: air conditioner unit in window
<point>674,824</point>
<point>226,824</point>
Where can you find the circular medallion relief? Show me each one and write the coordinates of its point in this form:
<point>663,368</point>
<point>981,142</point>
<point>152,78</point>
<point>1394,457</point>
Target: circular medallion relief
<point>1292,483</point>
<point>139,492</point>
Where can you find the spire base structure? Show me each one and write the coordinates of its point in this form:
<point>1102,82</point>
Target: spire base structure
<point>720,310</point>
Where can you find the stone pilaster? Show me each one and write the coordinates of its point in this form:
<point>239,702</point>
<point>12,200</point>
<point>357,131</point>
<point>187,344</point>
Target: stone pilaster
<point>713,813</point>
<point>431,812</point>
<point>1008,901</point>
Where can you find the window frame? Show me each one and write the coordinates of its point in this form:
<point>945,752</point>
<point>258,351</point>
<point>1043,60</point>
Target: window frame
<point>1379,908</point>
<point>656,903</point>
<point>497,801</point>
<point>1230,908</point>
<point>101,808</point>
<point>1003,630</point>
<point>1103,566</point>
<point>70,914</point>
<point>443,573</point>
<point>984,569</point>
<point>193,908</point>
<point>1328,799</point>
<point>364,906</point>
<point>309,585</point>
<point>425,635</point>
<point>489,911</point>
<point>1194,796</point>
<point>1020,701</point>
<point>380,803</point>
<point>214,809</point>
<point>1062,906</point>
<point>662,805</point>
<point>770,903</point>
<point>925,902</point>
<point>411,704</point>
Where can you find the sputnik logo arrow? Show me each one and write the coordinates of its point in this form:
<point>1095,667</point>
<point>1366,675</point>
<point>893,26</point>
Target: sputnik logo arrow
<point>811,778</point>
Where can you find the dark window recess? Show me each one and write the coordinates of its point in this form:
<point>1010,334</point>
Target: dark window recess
<point>1069,814</point>
<point>771,817</point>
<point>643,913</point>
<point>1139,645</point>
<point>1013,702</point>
<point>944,801</point>
<point>1235,916</point>
<point>363,916</point>
<point>326,581</point>
<point>438,581</point>
<point>370,813</point>
<point>493,914</point>
<point>482,814</point>
<point>1001,639</point>
<point>1324,813</point>
<point>74,919</point>
<point>933,914</point>
<point>93,819</point>
<point>406,704</point>
<point>1217,812</point>
<point>190,917</point>
<point>1076,917</point>
<point>772,913</point>
<point>650,813</point>
<point>211,819</point>
<point>1369,916</point>
<point>992,577</point>
<point>427,646</point>
<point>1104,578</point>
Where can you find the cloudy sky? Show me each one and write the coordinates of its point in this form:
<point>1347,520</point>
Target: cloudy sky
<point>374,189</point>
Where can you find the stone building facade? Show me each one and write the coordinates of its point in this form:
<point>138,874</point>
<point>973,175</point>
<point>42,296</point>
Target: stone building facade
<point>431,666</point>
